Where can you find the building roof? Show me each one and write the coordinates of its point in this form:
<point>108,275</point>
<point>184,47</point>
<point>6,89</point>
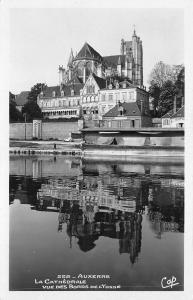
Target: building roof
<point>113,83</point>
<point>50,89</point>
<point>129,109</point>
<point>179,113</point>
<point>48,92</point>
<point>113,60</point>
<point>168,114</point>
<point>100,81</point>
<point>88,52</point>
<point>171,114</point>
<point>21,98</point>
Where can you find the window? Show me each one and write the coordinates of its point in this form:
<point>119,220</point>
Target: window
<point>103,109</point>
<point>72,92</point>
<point>110,97</point>
<point>132,123</point>
<point>90,89</point>
<point>62,93</point>
<point>124,96</point>
<point>53,94</point>
<point>166,122</point>
<point>117,96</point>
<point>103,97</point>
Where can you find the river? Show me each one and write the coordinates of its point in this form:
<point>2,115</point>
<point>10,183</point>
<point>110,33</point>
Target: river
<point>91,225</point>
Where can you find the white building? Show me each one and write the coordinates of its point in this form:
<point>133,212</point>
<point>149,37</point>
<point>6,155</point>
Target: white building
<point>173,120</point>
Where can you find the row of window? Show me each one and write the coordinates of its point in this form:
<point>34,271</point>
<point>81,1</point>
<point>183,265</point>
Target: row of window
<point>94,112</point>
<point>117,96</point>
<point>122,124</point>
<point>55,113</point>
<point>54,93</point>
<point>59,103</point>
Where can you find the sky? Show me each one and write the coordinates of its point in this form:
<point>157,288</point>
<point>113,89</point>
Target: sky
<point>41,38</point>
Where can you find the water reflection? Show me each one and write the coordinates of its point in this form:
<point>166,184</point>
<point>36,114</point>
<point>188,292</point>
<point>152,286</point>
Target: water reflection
<point>102,200</point>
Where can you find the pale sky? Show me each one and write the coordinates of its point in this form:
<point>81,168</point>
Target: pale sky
<point>41,39</point>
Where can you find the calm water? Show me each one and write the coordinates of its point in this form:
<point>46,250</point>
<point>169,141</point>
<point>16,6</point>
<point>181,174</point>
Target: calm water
<point>71,218</point>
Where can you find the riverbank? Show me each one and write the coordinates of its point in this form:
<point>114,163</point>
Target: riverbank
<point>45,147</point>
<point>96,152</point>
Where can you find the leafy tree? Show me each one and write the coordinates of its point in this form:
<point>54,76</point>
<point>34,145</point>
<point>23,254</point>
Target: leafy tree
<point>14,113</point>
<point>154,91</point>
<point>166,82</point>
<point>163,72</point>
<point>166,99</point>
<point>180,82</point>
<point>32,110</point>
<point>35,91</point>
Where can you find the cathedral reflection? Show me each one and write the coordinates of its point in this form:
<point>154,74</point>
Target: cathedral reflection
<point>105,203</point>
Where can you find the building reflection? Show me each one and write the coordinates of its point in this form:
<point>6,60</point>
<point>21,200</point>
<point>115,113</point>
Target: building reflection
<point>103,201</point>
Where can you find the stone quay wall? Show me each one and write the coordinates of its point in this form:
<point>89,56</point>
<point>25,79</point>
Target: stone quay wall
<point>47,130</point>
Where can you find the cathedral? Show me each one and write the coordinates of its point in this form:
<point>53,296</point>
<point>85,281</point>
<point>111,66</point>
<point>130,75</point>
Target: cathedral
<point>95,87</point>
<point>126,65</point>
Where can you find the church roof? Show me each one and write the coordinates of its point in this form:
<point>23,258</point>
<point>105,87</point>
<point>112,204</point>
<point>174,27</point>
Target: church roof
<point>70,58</point>
<point>100,81</point>
<point>88,52</point>
<point>21,98</point>
<point>75,80</point>
<point>130,109</point>
<point>114,60</point>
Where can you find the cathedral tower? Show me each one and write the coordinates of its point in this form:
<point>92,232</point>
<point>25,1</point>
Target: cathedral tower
<point>134,52</point>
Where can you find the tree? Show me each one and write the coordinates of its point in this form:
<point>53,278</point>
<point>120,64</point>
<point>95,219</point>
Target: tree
<point>32,110</point>
<point>154,91</point>
<point>167,96</point>
<point>35,91</point>
<point>163,72</point>
<point>14,113</point>
<point>165,83</point>
<point>180,82</point>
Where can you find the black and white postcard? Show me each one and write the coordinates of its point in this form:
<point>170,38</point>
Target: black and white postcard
<point>96,97</point>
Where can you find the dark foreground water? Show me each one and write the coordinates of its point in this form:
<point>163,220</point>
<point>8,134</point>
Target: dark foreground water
<point>72,221</point>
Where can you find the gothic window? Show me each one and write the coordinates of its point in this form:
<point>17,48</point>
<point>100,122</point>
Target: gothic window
<point>90,89</point>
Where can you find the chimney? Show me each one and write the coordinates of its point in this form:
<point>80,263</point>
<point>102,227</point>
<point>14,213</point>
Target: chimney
<point>141,106</point>
<point>182,103</point>
<point>174,104</point>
